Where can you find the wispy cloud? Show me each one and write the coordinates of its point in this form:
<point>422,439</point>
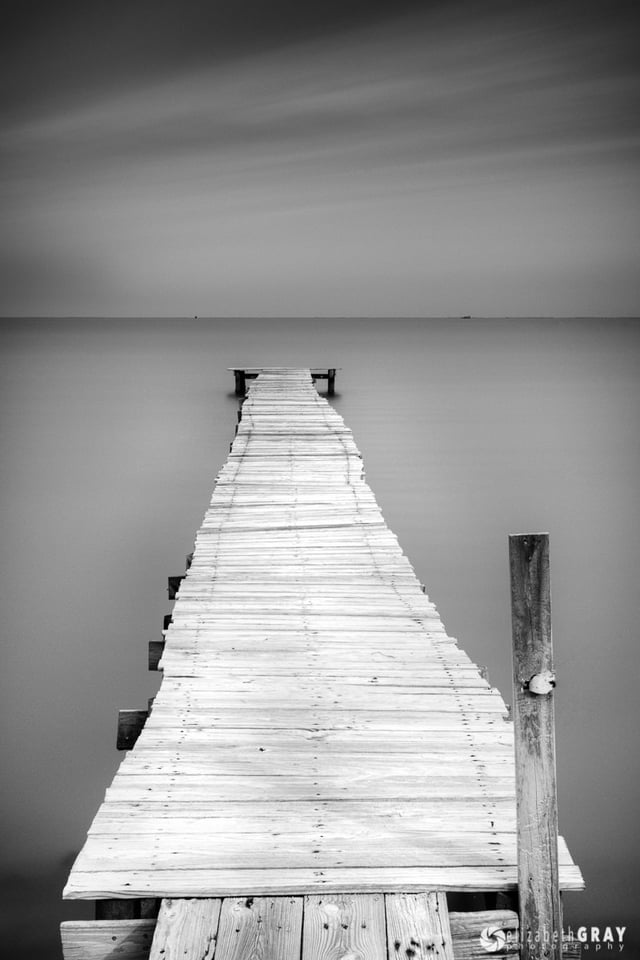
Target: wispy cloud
<point>478,89</point>
<point>442,113</point>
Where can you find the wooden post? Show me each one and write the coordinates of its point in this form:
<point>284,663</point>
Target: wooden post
<point>535,763</point>
<point>241,383</point>
<point>130,724</point>
<point>173,585</point>
<point>331,381</point>
<point>156,649</point>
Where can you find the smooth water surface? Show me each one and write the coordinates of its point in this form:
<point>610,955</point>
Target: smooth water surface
<point>112,434</point>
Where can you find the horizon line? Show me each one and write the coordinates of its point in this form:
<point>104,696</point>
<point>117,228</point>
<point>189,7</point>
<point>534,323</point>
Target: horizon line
<point>320,316</point>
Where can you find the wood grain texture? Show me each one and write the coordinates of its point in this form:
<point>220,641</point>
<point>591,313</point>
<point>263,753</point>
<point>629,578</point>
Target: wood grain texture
<point>536,801</point>
<point>466,929</point>
<point>316,729</point>
<point>347,927</point>
<point>103,939</point>
<point>260,928</point>
<point>186,930</point>
<point>418,926</point>
<point>253,928</point>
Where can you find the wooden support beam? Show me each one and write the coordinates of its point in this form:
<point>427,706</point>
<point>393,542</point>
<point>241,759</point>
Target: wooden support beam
<point>535,763</point>
<point>241,375</point>
<point>130,724</point>
<point>156,649</point>
<point>174,586</point>
<point>166,621</point>
<point>186,930</point>
<point>105,939</point>
<point>241,383</point>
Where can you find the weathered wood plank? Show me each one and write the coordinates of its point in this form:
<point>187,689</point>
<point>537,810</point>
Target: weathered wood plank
<point>476,934</point>
<point>260,928</point>
<point>296,852</point>
<point>106,939</point>
<point>278,882</point>
<point>344,928</point>
<point>131,939</point>
<point>418,926</point>
<point>186,930</point>
<point>537,811</point>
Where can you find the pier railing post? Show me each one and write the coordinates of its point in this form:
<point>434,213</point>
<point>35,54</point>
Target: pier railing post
<point>535,764</point>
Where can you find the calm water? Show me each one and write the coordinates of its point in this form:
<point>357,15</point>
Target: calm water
<point>112,434</point>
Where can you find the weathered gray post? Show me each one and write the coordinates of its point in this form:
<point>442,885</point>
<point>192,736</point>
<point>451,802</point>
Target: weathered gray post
<point>535,762</point>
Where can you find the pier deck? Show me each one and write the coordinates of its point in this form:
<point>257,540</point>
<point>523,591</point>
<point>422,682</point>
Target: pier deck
<point>316,730</point>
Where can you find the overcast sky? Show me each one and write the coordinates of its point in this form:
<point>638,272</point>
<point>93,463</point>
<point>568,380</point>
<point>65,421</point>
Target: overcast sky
<point>344,157</point>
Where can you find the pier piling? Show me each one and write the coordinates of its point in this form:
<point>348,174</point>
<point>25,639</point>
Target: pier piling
<point>534,732</point>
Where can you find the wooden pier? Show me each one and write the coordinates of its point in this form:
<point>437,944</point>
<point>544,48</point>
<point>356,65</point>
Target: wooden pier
<point>322,763</point>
